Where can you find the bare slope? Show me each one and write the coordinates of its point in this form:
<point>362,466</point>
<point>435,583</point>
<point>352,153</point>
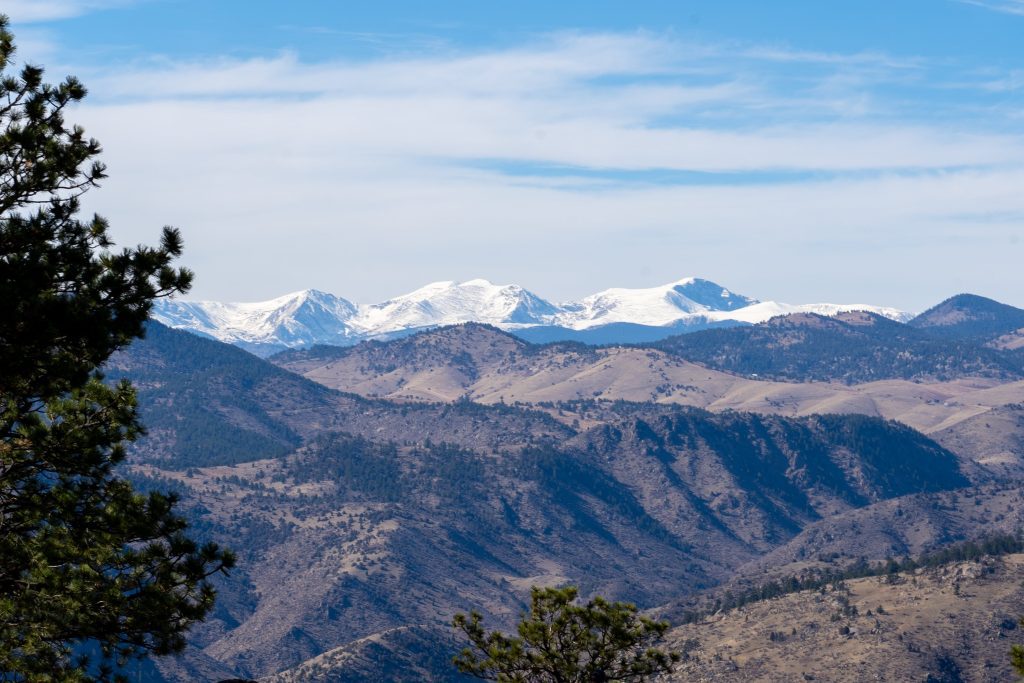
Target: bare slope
<point>347,538</point>
<point>489,366</point>
<point>954,623</point>
<point>1011,341</point>
<point>908,525</point>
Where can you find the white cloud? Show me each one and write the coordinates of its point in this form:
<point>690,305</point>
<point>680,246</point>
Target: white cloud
<point>36,45</point>
<point>1005,6</point>
<point>542,66</point>
<point>370,178</point>
<point>32,11</point>
<point>601,101</point>
<point>778,53</point>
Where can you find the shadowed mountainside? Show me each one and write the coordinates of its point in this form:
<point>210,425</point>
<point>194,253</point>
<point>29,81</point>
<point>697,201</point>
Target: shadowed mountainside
<point>851,348</point>
<point>394,515</point>
<point>898,527</point>
<point>970,317</point>
<point>978,418</point>
<point>206,403</point>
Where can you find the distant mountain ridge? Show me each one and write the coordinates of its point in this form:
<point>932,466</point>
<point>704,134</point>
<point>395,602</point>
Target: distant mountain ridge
<point>618,315</point>
<point>971,317</point>
<point>852,348</point>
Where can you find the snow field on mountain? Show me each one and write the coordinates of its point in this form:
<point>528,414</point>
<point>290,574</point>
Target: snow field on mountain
<point>312,317</point>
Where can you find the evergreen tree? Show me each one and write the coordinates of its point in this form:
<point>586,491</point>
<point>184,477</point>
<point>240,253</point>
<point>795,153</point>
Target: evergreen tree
<point>1017,656</point>
<point>562,642</point>
<point>91,572</point>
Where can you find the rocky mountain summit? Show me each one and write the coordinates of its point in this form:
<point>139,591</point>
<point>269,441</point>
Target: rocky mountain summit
<point>311,317</point>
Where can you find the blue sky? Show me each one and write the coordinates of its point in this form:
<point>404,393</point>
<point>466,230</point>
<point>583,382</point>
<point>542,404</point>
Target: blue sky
<point>798,151</point>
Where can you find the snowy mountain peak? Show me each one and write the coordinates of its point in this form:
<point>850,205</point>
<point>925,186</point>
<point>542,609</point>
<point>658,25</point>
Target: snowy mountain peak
<point>481,282</point>
<point>662,305</point>
<point>310,316</point>
<point>449,303</point>
<point>297,319</point>
<point>712,295</point>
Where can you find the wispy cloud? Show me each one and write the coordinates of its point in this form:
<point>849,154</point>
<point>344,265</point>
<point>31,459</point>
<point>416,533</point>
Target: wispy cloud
<point>529,162</point>
<point>1006,6</point>
<point>32,11</point>
<point>780,53</point>
<point>594,101</point>
<point>545,65</point>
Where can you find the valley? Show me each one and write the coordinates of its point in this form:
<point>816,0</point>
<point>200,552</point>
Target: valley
<point>486,365</point>
<point>374,490</point>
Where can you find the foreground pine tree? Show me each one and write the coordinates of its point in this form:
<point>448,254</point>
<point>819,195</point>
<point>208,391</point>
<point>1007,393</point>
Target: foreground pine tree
<point>91,572</point>
<point>562,642</point>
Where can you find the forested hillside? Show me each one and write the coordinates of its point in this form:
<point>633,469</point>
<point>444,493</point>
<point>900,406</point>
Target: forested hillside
<point>355,517</point>
<point>850,347</point>
<point>970,317</point>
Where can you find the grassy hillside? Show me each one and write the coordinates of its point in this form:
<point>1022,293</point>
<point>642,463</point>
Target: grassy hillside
<point>951,623</point>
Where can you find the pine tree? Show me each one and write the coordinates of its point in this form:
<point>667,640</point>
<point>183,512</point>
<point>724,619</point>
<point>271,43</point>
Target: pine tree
<point>563,642</point>
<point>1017,656</point>
<point>91,572</point>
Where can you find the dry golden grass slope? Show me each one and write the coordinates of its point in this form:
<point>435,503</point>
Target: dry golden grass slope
<point>1013,340</point>
<point>488,366</point>
<point>954,623</point>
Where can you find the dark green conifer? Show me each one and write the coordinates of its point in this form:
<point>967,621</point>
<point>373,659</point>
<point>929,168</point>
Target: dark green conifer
<point>1017,655</point>
<point>91,572</point>
<point>563,642</point>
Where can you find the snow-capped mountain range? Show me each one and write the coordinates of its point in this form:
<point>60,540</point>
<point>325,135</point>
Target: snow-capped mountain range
<point>312,317</point>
